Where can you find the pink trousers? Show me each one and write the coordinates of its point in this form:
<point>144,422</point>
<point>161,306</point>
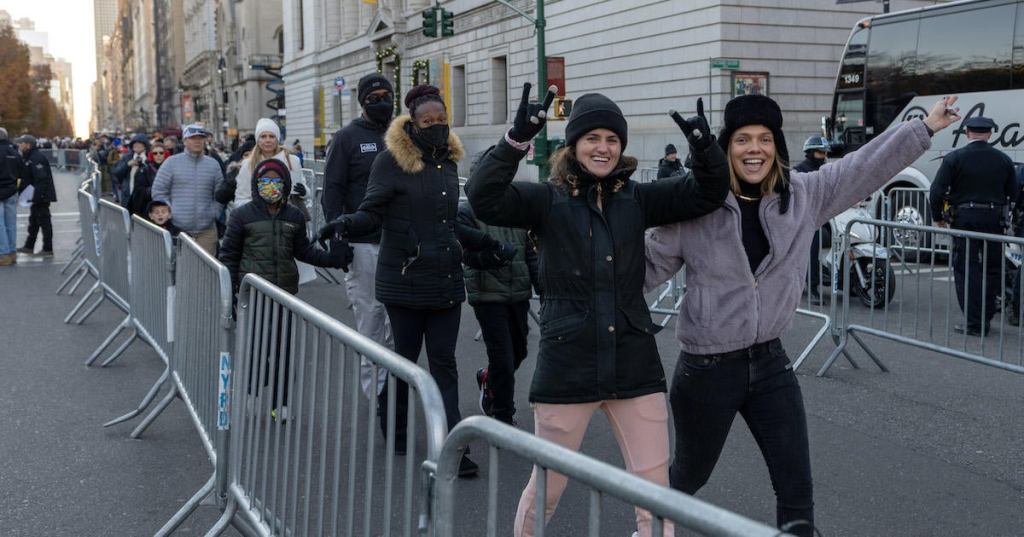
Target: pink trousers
<point>640,426</point>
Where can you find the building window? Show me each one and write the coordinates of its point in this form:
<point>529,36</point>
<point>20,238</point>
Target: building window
<point>499,90</point>
<point>459,96</point>
<point>301,33</point>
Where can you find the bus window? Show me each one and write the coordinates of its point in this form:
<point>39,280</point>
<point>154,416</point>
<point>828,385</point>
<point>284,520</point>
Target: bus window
<point>892,58</point>
<point>965,51</point>
<point>851,71</point>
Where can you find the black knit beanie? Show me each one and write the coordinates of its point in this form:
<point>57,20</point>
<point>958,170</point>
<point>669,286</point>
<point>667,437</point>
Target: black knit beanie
<point>594,111</point>
<point>372,82</point>
<point>670,150</point>
<point>759,110</point>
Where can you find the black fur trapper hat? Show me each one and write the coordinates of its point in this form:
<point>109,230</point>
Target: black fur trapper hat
<point>759,110</point>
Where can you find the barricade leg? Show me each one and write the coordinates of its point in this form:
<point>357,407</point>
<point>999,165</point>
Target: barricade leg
<point>816,339</point>
<point>74,311</point>
<point>81,278</point>
<point>326,274</point>
<point>92,308</point>
<point>78,270</point>
<point>124,346</point>
<point>75,256</point>
<point>225,520</point>
<point>186,510</point>
<point>106,342</point>
<point>151,417</point>
<point>146,400</point>
<point>839,350</point>
<point>868,351</point>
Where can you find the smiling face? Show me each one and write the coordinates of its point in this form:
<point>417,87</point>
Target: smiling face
<point>598,151</point>
<point>752,153</point>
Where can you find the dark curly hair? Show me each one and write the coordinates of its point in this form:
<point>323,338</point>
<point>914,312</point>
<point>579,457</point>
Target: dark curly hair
<point>422,94</point>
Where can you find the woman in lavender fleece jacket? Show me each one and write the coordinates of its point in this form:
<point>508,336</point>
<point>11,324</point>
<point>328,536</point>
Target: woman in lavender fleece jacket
<point>745,269</point>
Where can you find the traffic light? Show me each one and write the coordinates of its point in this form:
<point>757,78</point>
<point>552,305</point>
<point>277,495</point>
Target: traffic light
<point>430,22</point>
<point>447,23</point>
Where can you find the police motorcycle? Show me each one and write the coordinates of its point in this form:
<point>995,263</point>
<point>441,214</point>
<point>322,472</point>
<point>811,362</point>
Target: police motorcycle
<point>871,277</point>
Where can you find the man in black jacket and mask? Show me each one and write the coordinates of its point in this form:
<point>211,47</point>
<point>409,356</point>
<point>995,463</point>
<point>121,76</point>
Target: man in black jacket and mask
<point>349,159</point>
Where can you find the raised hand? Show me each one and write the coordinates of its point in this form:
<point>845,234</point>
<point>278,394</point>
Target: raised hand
<point>531,117</point>
<point>696,128</point>
<point>943,114</point>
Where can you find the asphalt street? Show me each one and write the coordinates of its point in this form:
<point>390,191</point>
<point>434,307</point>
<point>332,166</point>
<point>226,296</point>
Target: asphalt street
<point>931,448</point>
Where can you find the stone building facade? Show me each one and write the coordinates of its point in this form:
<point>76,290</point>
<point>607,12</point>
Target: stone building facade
<point>648,56</point>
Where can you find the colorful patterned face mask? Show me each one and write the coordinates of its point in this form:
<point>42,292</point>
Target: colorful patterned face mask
<point>271,189</point>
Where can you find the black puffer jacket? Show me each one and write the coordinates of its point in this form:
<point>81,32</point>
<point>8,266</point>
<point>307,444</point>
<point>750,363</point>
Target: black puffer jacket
<point>268,244</point>
<point>668,168</point>
<point>597,338</point>
<point>413,198</point>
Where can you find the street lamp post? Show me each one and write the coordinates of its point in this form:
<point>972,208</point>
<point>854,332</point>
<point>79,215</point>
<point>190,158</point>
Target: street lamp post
<point>540,142</point>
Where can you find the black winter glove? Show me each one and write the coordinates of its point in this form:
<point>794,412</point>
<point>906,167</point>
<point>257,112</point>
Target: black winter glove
<point>696,129</point>
<point>336,227</point>
<point>531,117</point>
<point>503,254</point>
<point>299,189</point>
<point>342,255</point>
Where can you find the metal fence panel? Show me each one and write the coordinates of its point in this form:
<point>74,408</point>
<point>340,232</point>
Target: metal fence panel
<point>305,457</point>
<point>115,228</point>
<point>921,303</point>
<point>603,480</point>
<point>152,271</point>
<point>90,230</point>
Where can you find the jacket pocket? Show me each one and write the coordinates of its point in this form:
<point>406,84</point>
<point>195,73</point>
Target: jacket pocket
<point>565,327</point>
<point>698,305</point>
<point>412,250</point>
<point>641,321</point>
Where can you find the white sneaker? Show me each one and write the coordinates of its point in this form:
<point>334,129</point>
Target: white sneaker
<point>636,534</point>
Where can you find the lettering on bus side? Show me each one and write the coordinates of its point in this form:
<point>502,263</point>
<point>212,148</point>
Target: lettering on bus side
<point>1007,137</point>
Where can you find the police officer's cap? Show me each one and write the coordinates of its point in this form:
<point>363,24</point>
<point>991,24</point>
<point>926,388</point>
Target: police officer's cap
<point>980,124</point>
<point>25,139</point>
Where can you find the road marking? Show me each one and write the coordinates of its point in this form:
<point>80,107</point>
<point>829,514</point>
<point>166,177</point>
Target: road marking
<point>52,214</point>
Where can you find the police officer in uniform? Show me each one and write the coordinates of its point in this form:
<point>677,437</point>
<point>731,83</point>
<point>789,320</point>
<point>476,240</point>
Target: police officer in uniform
<point>37,174</point>
<point>978,182</point>
<point>349,158</point>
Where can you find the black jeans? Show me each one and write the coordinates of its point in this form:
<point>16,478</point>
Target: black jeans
<point>977,266</point>
<point>39,218</point>
<point>440,329</point>
<point>504,328</point>
<point>759,384</point>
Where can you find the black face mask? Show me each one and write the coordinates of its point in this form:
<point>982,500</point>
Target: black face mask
<point>431,138</point>
<point>380,112</point>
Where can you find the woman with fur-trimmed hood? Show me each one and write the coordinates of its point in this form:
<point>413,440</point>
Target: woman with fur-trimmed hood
<point>413,197</point>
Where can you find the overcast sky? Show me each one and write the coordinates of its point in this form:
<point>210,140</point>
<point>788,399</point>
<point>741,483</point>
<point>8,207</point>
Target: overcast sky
<point>70,29</point>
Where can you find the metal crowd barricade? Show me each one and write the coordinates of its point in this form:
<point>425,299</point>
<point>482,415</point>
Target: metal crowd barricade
<point>315,190</point>
<point>115,275</point>
<point>72,158</point>
<point>603,480</point>
<point>110,236</point>
<point>303,444</point>
<point>88,264</point>
<point>152,276</point>
<point>910,205</point>
<point>926,303</point>
<point>201,363</point>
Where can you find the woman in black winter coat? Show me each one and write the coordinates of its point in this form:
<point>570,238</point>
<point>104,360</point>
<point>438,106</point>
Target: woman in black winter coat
<point>412,197</point>
<point>597,347</point>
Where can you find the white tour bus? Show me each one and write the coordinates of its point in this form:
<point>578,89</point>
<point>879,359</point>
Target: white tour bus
<point>897,65</point>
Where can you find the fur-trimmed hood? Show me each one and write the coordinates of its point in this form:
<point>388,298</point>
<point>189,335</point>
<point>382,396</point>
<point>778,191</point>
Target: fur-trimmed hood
<point>407,155</point>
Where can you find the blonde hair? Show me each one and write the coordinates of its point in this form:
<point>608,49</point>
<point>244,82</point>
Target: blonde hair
<point>256,156</point>
<point>776,176</point>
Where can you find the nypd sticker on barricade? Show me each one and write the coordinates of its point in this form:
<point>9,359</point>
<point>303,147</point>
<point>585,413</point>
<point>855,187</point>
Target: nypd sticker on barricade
<point>223,385</point>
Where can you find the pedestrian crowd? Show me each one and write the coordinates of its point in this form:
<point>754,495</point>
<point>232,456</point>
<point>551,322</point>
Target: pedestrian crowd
<point>590,242</point>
